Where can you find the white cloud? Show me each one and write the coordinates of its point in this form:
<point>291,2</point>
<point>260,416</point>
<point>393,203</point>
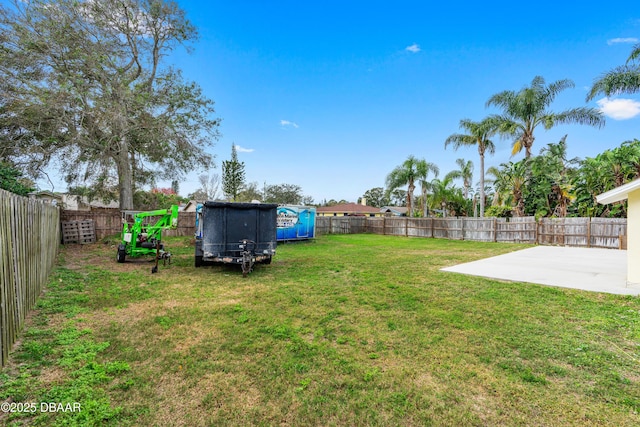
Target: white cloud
<point>240,149</point>
<point>414,48</point>
<point>285,123</point>
<point>619,40</point>
<point>620,108</point>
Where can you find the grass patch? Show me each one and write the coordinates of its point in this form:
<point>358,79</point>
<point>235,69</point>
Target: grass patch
<point>344,330</point>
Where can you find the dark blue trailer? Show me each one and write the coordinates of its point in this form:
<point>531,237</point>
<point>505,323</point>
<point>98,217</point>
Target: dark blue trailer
<point>235,233</point>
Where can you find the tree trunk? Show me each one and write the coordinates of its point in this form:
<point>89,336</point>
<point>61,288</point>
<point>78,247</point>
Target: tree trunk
<point>425,210</point>
<point>527,142</point>
<point>125,175</point>
<point>481,182</point>
<point>410,198</point>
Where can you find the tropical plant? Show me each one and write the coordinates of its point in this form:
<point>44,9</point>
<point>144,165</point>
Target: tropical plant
<point>446,196</point>
<point>523,111</point>
<point>550,188</point>
<point>622,79</point>
<point>424,168</point>
<point>606,171</point>
<point>411,170</point>
<point>509,183</point>
<point>464,172</point>
<point>478,133</point>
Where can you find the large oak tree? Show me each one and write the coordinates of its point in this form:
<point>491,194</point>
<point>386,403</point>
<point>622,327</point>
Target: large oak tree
<point>85,84</point>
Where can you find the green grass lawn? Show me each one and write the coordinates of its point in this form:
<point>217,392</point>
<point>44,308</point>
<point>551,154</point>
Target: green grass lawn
<point>344,330</point>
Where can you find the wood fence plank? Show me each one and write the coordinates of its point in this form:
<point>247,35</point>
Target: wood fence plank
<point>29,238</point>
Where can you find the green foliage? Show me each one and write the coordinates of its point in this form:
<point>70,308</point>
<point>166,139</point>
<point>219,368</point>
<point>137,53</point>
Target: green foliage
<point>11,179</point>
<point>527,109</point>
<point>284,194</point>
<point>249,193</point>
<point>478,133</point>
<point>609,169</point>
<point>622,79</point>
<point>376,197</point>
<point>83,378</point>
<point>498,211</point>
<point>411,171</point>
<point>110,111</point>
<point>550,189</point>
<point>232,175</point>
<point>550,184</point>
<point>152,200</point>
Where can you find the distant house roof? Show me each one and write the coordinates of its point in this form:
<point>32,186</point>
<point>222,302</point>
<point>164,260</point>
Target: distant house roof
<point>191,206</point>
<point>348,209</point>
<point>619,193</point>
<point>46,197</point>
<point>396,210</point>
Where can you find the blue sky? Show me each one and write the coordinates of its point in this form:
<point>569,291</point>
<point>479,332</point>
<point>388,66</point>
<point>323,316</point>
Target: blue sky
<point>333,95</point>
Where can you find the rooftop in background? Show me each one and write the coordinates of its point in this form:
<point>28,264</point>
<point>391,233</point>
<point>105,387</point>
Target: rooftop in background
<point>346,209</point>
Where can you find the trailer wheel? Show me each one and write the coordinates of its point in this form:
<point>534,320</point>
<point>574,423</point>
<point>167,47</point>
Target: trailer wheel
<point>267,261</point>
<point>198,262</point>
<point>122,253</point>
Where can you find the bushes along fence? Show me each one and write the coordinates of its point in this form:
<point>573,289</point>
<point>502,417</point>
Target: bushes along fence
<point>29,239</point>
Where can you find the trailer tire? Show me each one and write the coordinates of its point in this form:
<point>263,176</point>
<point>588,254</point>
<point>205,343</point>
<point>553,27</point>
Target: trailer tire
<point>122,253</point>
<point>198,262</point>
<point>267,261</point>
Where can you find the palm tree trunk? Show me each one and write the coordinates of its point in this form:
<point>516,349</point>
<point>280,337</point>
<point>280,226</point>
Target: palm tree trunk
<point>481,183</point>
<point>411,188</point>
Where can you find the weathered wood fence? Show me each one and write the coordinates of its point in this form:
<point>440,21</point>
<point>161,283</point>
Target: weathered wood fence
<point>108,222</point>
<point>585,232</point>
<point>29,239</point>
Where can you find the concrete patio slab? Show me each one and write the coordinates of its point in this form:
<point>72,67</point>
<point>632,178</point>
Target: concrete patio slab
<point>589,269</point>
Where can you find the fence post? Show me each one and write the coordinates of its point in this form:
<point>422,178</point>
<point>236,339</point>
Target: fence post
<point>495,229</point>
<point>406,227</point>
<point>589,232</point>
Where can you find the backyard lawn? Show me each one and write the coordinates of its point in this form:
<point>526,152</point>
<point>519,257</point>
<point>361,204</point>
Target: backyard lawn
<point>344,330</point>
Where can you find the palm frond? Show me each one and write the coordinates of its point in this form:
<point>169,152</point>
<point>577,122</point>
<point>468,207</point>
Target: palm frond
<point>516,147</point>
<point>623,79</point>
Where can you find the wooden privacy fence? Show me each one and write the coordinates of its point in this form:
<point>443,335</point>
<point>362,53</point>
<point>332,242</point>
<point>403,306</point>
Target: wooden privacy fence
<point>586,232</point>
<point>29,238</point>
<point>108,222</point>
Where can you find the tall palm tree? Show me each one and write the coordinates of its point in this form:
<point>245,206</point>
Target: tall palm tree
<point>424,168</point>
<point>525,110</point>
<point>464,172</point>
<point>407,173</point>
<point>478,133</point>
<point>622,79</point>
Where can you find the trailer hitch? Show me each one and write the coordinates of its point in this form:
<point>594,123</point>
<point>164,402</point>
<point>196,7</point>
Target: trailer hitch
<point>247,256</point>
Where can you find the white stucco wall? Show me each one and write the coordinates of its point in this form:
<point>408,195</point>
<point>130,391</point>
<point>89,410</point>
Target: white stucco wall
<point>633,238</point>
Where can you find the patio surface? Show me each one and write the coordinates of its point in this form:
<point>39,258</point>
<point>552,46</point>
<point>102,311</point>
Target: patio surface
<point>589,269</point>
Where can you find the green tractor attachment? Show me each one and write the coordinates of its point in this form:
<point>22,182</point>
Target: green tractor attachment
<point>140,239</point>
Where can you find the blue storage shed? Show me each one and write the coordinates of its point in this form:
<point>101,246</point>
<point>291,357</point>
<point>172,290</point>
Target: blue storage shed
<point>296,222</point>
